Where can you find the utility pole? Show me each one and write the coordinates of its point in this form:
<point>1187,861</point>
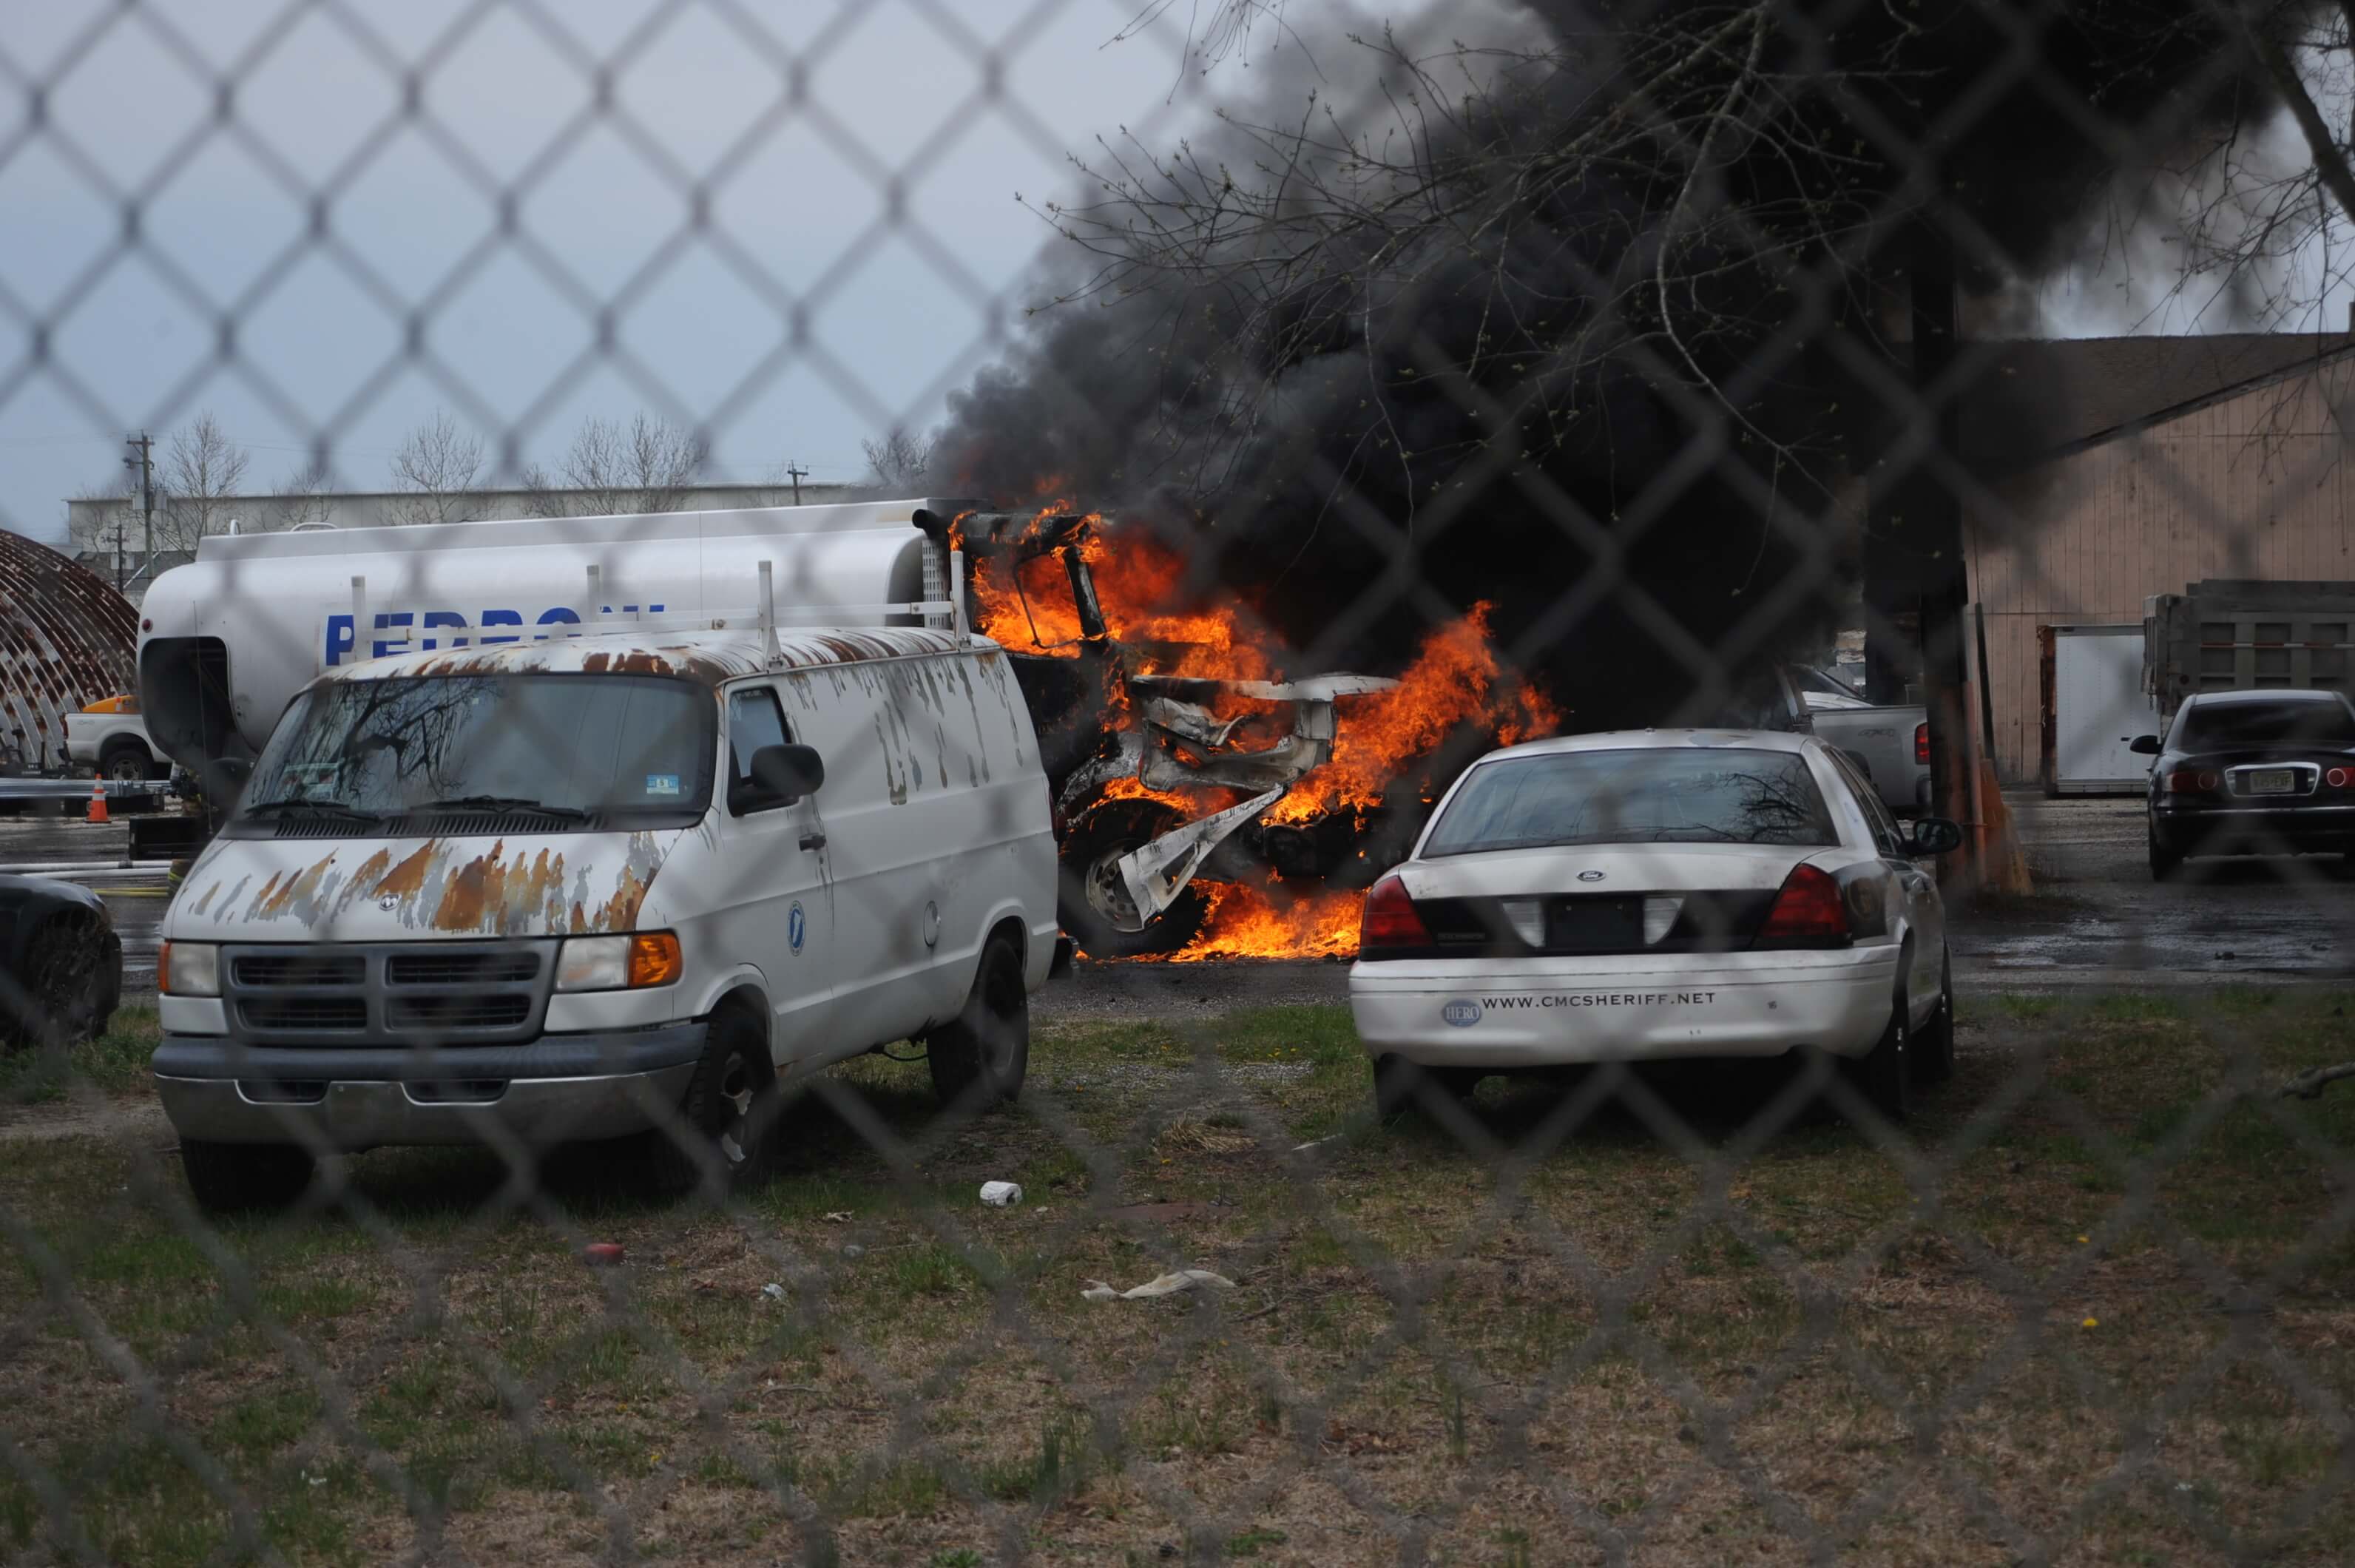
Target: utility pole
<point>118,552</point>
<point>796,475</point>
<point>146,466</point>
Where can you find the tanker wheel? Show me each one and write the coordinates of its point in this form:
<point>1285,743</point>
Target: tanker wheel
<point>1094,905</point>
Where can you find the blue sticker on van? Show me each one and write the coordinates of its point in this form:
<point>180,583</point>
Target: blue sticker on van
<point>662,784</point>
<point>796,927</point>
<point>1461,1013</point>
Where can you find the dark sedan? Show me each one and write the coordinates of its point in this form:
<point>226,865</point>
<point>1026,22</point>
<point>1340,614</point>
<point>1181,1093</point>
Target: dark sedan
<point>2253,772</point>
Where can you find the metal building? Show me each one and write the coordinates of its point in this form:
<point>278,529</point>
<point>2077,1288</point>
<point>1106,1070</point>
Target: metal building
<point>67,639</point>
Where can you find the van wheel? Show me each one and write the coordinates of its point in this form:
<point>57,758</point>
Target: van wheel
<point>1934,1043</point>
<point>979,1058</point>
<point>1884,1075</point>
<point>729,1112</point>
<point>1400,1086</point>
<point>232,1178</point>
<point>1094,906</point>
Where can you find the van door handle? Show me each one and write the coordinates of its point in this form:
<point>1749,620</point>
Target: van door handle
<point>813,840</point>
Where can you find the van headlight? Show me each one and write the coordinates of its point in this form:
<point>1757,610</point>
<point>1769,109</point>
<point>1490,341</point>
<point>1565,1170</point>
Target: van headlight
<point>629,963</point>
<point>188,969</point>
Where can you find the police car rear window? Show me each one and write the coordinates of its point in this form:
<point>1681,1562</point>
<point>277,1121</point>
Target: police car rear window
<point>1664,795</point>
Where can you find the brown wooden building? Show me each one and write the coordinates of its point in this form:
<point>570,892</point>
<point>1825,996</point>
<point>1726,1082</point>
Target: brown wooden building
<point>2128,466</point>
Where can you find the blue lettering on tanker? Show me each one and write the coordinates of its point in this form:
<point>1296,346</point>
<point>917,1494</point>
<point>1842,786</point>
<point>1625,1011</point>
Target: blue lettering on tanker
<point>340,647</point>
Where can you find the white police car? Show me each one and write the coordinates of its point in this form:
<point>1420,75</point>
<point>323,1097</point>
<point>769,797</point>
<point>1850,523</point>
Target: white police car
<point>1641,896</point>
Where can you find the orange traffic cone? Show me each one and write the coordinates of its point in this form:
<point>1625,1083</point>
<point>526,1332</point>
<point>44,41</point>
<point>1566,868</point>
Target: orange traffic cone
<point>97,800</point>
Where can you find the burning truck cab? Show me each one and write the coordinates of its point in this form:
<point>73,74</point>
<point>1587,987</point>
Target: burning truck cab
<point>1163,779</point>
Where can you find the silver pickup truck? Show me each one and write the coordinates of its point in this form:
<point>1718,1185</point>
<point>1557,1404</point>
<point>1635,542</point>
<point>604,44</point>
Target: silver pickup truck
<point>1889,742</point>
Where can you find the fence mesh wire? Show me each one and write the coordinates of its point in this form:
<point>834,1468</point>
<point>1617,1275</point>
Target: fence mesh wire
<point>2085,1299</point>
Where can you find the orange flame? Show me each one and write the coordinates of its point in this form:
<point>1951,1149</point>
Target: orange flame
<point>1454,680</point>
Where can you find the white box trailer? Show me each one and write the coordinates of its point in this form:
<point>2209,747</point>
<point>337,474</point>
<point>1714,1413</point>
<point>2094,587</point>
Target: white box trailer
<point>2095,705</point>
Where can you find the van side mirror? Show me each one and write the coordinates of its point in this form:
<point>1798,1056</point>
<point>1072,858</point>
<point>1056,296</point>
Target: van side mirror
<point>780,776</point>
<point>1935,836</point>
<point>2144,745</point>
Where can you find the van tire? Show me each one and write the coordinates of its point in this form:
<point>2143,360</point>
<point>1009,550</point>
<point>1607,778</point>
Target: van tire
<point>232,1179</point>
<point>1093,909</point>
<point>979,1058</point>
<point>729,1113</point>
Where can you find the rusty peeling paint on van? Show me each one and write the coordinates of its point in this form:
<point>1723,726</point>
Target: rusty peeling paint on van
<point>440,887</point>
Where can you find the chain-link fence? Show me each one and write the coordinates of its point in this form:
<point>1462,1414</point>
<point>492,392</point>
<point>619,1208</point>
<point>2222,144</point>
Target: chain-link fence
<point>630,957</point>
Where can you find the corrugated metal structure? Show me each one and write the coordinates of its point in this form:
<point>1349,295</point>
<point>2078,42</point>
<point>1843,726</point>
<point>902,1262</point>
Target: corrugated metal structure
<point>66,640</point>
<point>2242,479</point>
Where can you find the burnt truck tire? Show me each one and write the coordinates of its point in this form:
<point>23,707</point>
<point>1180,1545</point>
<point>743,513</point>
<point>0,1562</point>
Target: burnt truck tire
<point>979,1058</point>
<point>1095,908</point>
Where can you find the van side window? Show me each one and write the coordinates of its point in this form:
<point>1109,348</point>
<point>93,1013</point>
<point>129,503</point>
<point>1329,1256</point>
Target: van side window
<point>754,721</point>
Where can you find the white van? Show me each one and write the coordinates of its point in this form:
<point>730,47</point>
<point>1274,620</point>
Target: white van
<point>606,884</point>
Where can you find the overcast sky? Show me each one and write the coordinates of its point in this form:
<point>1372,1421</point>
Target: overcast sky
<point>897,314</point>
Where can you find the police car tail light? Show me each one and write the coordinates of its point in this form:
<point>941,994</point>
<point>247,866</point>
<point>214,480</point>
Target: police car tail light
<point>2193,781</point>
<point>618,963</point>
<point>2340,778</point>
<point>1922,743</point>
<point>1390,918</point>
<point>1808,909</point>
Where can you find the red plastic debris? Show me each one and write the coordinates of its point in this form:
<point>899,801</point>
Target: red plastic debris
<point>602,1252</point>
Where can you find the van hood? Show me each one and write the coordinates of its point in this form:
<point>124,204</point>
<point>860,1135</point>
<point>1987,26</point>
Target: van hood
<point>372,890</point>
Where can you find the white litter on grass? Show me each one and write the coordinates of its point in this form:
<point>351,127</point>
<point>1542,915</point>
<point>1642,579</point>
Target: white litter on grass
<point>1167,1285</point>
<point>1001,1194</point>
<point>773,1292</point>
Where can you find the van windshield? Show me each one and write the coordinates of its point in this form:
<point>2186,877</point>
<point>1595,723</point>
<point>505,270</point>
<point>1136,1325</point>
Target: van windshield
<point>584,749</point>
<point>1663,795</point>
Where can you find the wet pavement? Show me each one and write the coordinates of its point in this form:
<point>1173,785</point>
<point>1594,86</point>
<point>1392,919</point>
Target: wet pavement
<point>2095,909</point>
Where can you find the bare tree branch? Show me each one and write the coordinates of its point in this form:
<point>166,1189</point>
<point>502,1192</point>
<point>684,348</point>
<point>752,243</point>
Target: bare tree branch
<point>436,469</point>
<point>901,460</point>
<point>616,471</point>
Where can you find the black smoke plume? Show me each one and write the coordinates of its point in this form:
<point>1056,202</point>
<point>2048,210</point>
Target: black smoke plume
<point>1593,325</point>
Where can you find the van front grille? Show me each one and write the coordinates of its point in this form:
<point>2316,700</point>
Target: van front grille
<point>418,993</point>
<point>339,1015</point>
<point>439,1014</point>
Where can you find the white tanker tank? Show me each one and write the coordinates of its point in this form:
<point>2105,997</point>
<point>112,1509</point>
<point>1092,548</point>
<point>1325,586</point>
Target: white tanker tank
<point>225,641</point>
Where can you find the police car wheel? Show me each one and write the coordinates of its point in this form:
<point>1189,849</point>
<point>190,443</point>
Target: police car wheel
<point>1934,1043</point>
<point>1884,1075</point>
<point>1400,1086</point>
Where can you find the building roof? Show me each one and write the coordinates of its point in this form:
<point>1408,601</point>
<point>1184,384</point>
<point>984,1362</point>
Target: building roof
<point>2030,400</point>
